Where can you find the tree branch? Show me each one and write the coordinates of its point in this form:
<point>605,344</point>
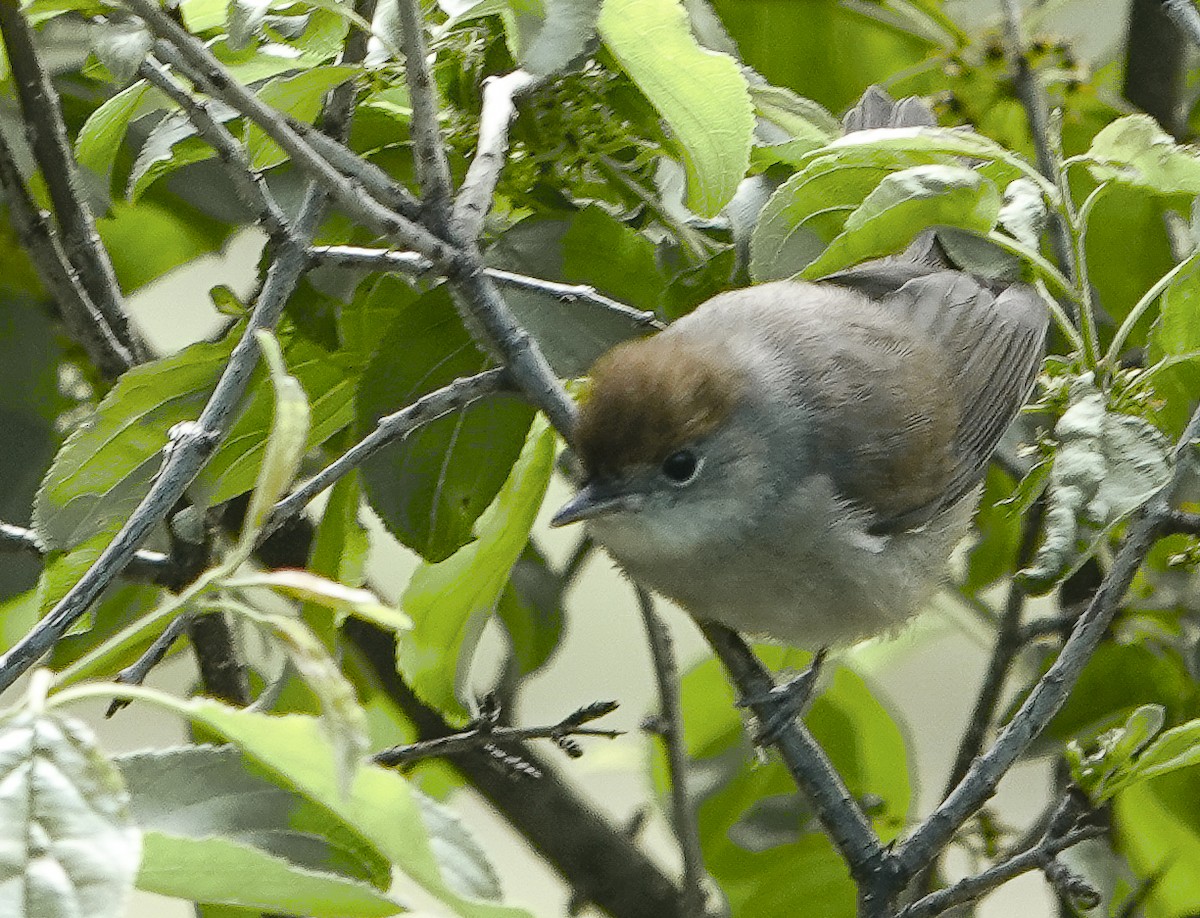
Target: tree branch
<point>458,394</point>
<point>499,108</point>
<point>842,818</point>
<point>485,313</point>
<point>687,831</point>
<point>1051,691</point>
<point>43,120</point>
<point>86,326</point>
<point>151,566</point>
<point>248,184</point>
<point>413,264</point>
<point>485,733</point>
<point>1155,63</point>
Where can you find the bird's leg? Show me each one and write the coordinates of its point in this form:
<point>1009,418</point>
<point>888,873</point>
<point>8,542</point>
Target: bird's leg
<point>788,701</point>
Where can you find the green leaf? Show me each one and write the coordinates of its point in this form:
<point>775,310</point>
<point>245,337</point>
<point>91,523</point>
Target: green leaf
<point>903,205</point>
<point>1157,829</point>
<point>100,138</point>
<point>546,35</point>
<point>299,96</point>
<point>344,721</point>
<point>105,467</point>
<point>789,126</point>
<point>382,808</point>
<point>808,211</point>
<point>69,846</point>
<point>429,488</point>
<point>341,599</point>
<point>701,94</point>
<point>1174,357</point>
<point>285,442</point>
<point>450,601</point>
<point>150,238</point>
<point>121,46</point>
<point>1134,150</point>
<point>530,609</point>
<point>1004,167</point>
<point>1177,748</point>
<point>217,870</point>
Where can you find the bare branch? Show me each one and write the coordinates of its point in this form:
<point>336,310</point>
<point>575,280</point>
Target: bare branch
<point>1051,691</point>
<point>413,264</point>
<point>1010,638</point>
<point>842,818</point>
<point>249,185</point>
<point>47,133</point>
<point>83,320</point>
<point>485,313</point>
<point>433,171</point>
<point>687,830</point>
<point>968,889</point>
<point>151,566</point>
<point>1033,98</point>
<point>1156,63</point>
<point>458,394</point>
<point>484,733</point>
<point>499,108</point>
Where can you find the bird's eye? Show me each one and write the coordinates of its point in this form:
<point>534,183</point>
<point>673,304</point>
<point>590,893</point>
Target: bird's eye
<point>681,466</point>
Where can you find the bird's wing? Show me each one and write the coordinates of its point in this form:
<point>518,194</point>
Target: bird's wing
<point>994,344</point>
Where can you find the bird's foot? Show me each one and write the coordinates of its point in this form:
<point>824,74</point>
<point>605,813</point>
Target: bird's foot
<point>785,702</point>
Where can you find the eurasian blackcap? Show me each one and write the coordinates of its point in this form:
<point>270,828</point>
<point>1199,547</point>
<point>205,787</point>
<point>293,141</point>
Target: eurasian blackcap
<point>797,459</point>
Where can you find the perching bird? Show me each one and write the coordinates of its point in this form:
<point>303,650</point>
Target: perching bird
<point>798,459</point>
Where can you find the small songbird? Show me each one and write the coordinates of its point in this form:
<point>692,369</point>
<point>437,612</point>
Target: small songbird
<point>798,460</point>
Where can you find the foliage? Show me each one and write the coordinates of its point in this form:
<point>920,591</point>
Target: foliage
<point>669,150</point>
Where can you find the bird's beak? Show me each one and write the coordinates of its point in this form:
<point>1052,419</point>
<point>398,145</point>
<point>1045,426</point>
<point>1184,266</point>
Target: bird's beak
<point>592,500</point>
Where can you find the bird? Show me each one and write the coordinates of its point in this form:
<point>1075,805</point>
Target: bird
<point>797,460</point>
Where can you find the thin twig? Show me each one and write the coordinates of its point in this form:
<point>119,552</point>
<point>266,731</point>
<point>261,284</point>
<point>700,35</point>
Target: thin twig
<point>44,126</point>
<point>499,108</point>
<point>136,672</point>
<point>1051,691</point>
<point>86,326</point>
<point>390,428</point>
<point>433,169</point>
<point>840,815</point>
<point>970,888</point>
<point>484,312</point>
<point>413,264</point>
<point>151,566</point>
<point>484,733</point>
<point>1009,640</point>
<point>687,829</point>
<point>1033,98</point>
<point>248,184</point>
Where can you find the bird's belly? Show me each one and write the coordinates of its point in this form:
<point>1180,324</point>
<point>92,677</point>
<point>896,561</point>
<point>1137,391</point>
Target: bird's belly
<point>830,585</point>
